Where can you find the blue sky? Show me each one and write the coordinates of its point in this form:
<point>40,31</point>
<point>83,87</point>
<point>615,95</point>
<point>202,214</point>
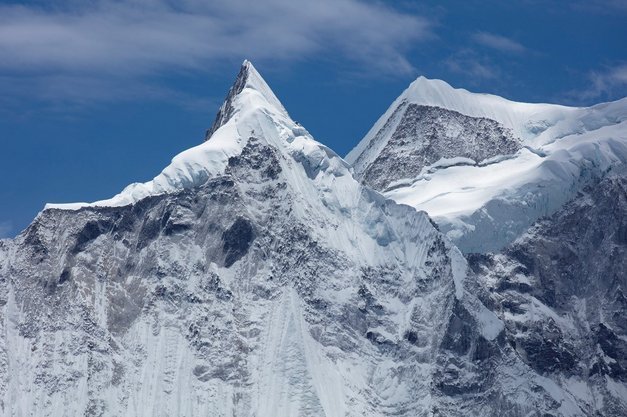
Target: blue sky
<point>97,94</point>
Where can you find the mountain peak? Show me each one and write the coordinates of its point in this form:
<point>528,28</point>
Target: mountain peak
<point>435,92</point>
<point>250,110</point>
<point>516,116</point>
<point>248,77</point>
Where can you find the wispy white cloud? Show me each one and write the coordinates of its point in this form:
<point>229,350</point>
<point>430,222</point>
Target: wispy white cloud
<point>600,6</point>
<point>498,42</point>
<point>95,42</point>
<point>610,82</point>
<point>474,67</point>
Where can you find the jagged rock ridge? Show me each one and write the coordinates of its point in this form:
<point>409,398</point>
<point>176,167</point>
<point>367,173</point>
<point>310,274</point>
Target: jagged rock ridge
<point>226,110</point>
<point>235,283</point>
<point>556,225</point>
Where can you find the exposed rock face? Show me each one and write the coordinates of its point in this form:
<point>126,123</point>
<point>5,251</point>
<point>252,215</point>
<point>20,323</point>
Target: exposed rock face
<point>427,134</point>
<point>559,289</point>
<point>226,110</point>
<point>221,299</point>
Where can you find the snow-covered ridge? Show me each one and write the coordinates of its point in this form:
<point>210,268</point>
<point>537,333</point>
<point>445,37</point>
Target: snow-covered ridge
<point>526,120</point>
<point>515,115</point>
<point>284,287</point>
<point>563,148</point>
<point>251,108</point>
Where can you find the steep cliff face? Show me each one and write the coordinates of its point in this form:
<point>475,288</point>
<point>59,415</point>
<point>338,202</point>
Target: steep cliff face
<point>541,219</point>
<point>560,290</point>
<point>426,135</point>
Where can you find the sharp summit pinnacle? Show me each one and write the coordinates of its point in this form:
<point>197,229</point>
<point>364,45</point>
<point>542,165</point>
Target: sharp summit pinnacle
<point>248,77</point>
<point>226,110</point>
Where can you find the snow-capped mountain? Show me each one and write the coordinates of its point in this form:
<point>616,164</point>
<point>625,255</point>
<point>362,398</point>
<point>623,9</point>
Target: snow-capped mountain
<point>483,167</point>
<point>255,276</point>
<point>252,277</point>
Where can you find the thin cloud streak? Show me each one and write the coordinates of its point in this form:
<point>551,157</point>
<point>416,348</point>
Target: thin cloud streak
<point>474,67</point>
<point>608,83</point>
<point>600,6</point>
<point>498,42</point>
<point>127,40</point>
<point>603,84</point>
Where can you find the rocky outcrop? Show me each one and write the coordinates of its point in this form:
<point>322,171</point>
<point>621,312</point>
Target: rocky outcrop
<point>559,289</point>
<point>427,134</point>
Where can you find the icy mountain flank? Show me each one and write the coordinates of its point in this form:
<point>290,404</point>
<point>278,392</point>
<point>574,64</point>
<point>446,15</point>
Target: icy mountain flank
<point>560,290</point>
<point>252,277</point>
<point>485,168</point>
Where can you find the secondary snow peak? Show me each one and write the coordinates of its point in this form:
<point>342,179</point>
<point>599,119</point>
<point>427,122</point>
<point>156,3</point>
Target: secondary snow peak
<point>468,158</point>
<point>248,77</point>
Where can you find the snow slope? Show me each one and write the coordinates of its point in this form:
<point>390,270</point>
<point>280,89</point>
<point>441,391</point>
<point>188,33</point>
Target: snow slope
<point>486,204</point>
